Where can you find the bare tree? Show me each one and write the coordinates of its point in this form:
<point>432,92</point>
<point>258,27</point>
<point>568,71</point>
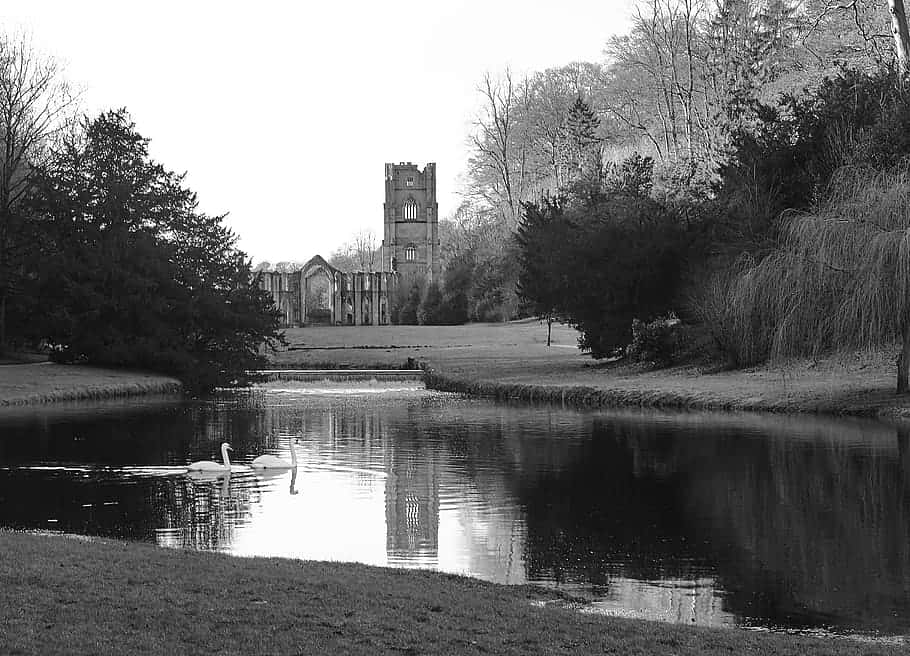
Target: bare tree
<point>365,249</point>
<point>657,72</point>
<point>35,105</point>
<point>544,124</point>
<point>360,253</point>
<point>500,167</point>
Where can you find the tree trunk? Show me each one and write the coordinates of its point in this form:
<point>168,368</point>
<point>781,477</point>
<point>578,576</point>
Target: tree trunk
<point>903,361</point>
<point>549,329</point>
<point>901,33</point>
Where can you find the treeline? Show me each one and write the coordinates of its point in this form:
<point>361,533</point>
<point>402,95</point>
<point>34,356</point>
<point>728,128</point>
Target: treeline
<point>105,257</point>
<point>695,185</point>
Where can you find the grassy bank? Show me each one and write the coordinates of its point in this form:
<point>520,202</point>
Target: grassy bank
<point>512,361</point>
<point>22,384</point>
<point>67,596</point>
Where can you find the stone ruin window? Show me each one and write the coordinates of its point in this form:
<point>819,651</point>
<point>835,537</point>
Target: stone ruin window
<point>410,253</point>
<point>410,210</point>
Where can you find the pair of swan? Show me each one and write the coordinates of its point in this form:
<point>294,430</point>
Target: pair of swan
<point>261,462</point>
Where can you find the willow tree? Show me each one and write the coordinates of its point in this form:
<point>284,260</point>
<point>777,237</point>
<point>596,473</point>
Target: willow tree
<point>841,278</point>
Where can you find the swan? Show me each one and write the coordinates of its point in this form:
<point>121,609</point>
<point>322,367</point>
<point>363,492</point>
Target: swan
<point>274,462</point>
<point>209,466</point>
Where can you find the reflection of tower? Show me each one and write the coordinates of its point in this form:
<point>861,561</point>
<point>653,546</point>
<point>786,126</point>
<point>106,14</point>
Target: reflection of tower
<point>412,504</point>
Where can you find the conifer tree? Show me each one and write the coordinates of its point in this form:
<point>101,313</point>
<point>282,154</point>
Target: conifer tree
<point>583,152</point>
<point>134,274</point>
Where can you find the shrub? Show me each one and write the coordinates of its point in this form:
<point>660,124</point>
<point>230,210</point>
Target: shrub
<point>429,312</point>
<point>407,311</point>
<point>656,342</point>
<point>710,305</point>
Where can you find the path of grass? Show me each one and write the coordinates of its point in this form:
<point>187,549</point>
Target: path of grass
<point>65,596</point>
<point>512,361</point>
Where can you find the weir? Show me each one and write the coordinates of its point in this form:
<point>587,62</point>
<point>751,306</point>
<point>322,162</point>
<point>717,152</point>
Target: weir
<point>341,374</point>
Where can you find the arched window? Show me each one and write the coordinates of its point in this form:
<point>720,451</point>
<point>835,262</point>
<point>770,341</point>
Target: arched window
<point>410,210</point>
<point>410,253</point>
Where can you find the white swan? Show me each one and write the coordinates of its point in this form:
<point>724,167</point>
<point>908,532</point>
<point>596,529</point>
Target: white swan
<point>274,462</point>
<point>210,466</point>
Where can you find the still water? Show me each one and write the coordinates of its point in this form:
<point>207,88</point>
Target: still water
<point>711,519</point>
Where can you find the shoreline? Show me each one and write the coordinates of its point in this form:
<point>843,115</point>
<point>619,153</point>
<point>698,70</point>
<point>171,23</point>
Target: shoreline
<point>34,384</point>
<point>872,403</point>
<point>511,362</point>
<point>767,391</point>
<point>860,385</point>
<point>187,602</point>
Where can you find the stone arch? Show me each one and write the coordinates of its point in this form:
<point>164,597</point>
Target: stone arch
<point>319,292</point>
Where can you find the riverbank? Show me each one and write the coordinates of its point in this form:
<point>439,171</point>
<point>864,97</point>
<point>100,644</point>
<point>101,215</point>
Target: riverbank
<point>512,361</point>
<point>66,595</point>
<point>45,382</point>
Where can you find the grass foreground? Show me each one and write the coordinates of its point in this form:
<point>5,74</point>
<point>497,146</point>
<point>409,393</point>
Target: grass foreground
<point>62,595</point>
<point>512,361</point>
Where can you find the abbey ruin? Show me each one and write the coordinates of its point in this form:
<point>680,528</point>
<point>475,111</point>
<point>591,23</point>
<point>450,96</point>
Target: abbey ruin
<point>319,293</point>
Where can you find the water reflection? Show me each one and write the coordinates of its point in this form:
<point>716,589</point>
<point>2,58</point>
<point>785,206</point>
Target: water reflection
<point>696,518</point>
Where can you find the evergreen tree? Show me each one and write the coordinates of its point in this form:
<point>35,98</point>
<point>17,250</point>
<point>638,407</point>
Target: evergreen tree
<point>583,153</point>
<point>429,312</point>
<point>542,275</point>
<point>456,287</point>
<point>407,313</point>
<point>135,276</point>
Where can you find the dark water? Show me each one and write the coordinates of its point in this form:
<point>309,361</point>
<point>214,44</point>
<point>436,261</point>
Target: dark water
<point>713,519</point>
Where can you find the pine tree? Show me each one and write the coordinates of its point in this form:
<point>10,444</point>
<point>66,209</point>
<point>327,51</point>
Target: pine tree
<point>583,147</point>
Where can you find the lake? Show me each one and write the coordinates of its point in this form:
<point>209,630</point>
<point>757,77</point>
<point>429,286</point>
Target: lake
<point>717,519</point>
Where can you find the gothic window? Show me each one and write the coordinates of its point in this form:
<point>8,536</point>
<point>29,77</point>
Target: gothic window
<point>410,253</point>
<point>410,210</point>
<point>409,182</point>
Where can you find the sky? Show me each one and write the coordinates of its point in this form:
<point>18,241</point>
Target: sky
<point>282,114</point>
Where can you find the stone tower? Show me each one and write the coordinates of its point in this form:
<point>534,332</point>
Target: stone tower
<point>410,238</point>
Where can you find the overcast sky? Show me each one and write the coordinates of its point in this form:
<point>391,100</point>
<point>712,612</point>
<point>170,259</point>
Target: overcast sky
<point>283,113</point>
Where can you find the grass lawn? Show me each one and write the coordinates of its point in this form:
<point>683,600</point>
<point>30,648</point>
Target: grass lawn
<point>66,596</point>
<point>512,361</point>
<point>45,382</point>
